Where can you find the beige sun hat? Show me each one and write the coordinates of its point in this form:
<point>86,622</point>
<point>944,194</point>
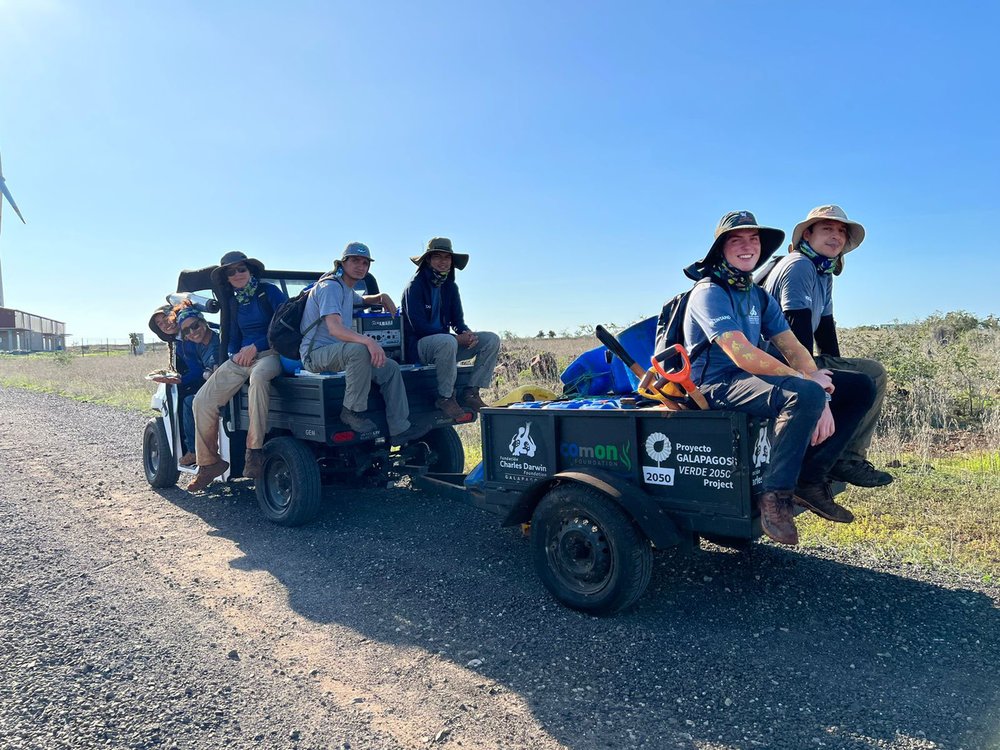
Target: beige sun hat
<point>855,232</point>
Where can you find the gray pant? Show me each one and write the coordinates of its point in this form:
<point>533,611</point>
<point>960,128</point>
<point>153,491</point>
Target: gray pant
<point>359,374</point>
<point>857,448</point>
<point>442,351</point>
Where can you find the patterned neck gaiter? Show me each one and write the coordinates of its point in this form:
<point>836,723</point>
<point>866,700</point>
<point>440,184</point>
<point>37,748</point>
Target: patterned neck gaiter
<point>822,263</point>
<point>244,295</point>
<point>724,271</point>
<point>437,279</point>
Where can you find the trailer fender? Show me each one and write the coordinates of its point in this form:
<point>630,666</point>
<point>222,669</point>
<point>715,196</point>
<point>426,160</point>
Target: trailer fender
<point>655,524</point>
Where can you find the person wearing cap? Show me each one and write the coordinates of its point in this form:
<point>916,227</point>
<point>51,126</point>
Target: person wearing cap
<point>330,343</point>
<point>199,351</point>
<point>802,282</point>
<point>251,305</point>
<point>435,333</point>
<point>727,309</point>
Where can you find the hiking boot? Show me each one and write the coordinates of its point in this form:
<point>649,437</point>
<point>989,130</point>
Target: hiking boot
<point>450,407</point>
<point>776,517</point>
<point>356,421</point>
<point>188,459</point>
<point>413,432</point>
<point>206,474</point>
<point>819,499</point>
<point>471,399</point>
<point>860,474</point>
<point>253,463</point>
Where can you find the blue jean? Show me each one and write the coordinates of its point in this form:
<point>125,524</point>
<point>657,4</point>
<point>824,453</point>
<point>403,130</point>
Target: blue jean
<point>795,405</point>
<point>188,423</point>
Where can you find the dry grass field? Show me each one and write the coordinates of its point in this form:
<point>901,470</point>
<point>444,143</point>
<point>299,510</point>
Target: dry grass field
<point>940,432</point>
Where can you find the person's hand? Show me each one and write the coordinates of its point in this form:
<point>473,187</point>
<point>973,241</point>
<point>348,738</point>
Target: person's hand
<point>377,352</point>
<point>824,427</point>
<point>467,339</point>
<point>823,378</point>
<point>386,301</point>
<point>245,356</point>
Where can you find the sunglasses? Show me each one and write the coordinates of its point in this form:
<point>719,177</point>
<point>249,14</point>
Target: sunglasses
<point>195,326</point>
<point>233,270</point>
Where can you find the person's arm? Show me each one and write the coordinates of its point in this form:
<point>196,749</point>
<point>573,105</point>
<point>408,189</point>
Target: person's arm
<point>336,328</point>
<point>826,337</point>
<point>800,321</point>
<point>382,299</point>
<point>457,316</point>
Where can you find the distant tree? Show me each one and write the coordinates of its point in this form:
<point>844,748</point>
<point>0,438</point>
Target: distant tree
<point>552,334</point>
<point>540,335</point>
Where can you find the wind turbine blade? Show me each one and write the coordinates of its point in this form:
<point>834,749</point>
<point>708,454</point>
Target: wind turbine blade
<point>10,199</point>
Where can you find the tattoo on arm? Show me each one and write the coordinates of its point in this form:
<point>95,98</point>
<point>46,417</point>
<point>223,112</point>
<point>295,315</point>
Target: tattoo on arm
<point>750,358</point>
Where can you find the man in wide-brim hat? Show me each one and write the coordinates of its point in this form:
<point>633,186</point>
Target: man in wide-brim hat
<point>435,331</point>
<point>802,282</point>
<point>728,310</point>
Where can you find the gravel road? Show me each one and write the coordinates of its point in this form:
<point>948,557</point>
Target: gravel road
<point>134,618</point>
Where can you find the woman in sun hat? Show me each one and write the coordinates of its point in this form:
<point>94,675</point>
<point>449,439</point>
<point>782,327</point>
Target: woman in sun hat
<point>251,305</point>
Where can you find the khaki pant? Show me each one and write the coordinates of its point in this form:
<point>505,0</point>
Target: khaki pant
<point>442,351</point>
<point>219,388</point>
<point>857,448</point>
<point>356,363</point>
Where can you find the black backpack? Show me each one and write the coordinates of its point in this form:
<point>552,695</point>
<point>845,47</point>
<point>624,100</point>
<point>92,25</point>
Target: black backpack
<point>283,334</point>
<point>670,324</point>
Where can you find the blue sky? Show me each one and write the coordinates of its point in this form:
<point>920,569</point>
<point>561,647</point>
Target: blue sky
<point>581,152</point>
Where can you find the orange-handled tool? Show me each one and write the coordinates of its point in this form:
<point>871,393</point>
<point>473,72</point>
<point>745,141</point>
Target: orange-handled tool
<point>681,377</point>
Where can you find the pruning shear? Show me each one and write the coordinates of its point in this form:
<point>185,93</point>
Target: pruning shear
<point>681,377</point>
<point>646,388</point>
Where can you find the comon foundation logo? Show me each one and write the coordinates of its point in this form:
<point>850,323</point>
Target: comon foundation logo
<point>608,455</point>
<point>658,448</point>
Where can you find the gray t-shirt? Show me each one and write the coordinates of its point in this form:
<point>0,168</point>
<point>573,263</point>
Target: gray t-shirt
<point>797,285</point>
<point>330,296</point>
<point>713,310</point>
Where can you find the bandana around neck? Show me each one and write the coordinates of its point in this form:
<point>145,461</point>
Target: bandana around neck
<point>727,273</point>
<point>437,279</point>
<point>244,295</point>
<point>822,263</point>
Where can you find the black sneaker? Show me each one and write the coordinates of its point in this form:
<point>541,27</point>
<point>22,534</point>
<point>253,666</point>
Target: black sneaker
<point>819,499</point>
<point>860,474</point>
<point>357,422</point>
<point>413,432</point>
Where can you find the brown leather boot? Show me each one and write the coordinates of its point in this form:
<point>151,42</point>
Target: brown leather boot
<point>819,499</point>
<point>471,399</point>
<point>776,517</point>
<point>253,463</point>
<point>206,474</point>
<point>450,407</point>
<point>188,459</point>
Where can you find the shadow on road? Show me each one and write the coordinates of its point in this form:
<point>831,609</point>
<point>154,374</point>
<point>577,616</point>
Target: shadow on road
<point>776,649</point>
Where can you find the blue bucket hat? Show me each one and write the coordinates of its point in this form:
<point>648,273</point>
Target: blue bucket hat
<point>355,250</point>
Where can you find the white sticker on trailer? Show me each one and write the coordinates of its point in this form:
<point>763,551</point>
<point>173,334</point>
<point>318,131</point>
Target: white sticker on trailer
<point>656,475</point>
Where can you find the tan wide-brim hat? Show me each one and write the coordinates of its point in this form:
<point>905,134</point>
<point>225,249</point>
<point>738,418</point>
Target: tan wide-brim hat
<point>442,245</point>
<point>855,232</point>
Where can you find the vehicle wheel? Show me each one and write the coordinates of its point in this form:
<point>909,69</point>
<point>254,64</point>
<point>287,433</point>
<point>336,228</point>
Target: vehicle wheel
<point>289,490</point>
<point>588,552</point>
<point>447,445</point>
<point>158,461</point>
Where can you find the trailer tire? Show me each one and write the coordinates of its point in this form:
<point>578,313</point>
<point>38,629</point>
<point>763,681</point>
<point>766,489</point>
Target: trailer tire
<point>158,461</point>
<point>289,491</point>
<point>446,443</point>
<point>588,552</point>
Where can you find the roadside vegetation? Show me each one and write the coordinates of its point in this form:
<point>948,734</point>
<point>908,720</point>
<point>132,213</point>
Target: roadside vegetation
<point>939,434</point>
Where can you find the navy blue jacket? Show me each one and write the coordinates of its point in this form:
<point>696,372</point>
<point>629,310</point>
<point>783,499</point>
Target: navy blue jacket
<point>249,323</point>
<point>416,310</point>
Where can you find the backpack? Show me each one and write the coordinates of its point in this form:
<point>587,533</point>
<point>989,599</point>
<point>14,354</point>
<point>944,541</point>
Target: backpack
<point>670,324</point>
<point>283,333</point>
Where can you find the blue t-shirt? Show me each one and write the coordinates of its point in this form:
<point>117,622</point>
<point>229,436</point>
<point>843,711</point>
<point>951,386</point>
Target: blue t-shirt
<point>713,310</point>
<point>797,285</point>
<point>330,296</point>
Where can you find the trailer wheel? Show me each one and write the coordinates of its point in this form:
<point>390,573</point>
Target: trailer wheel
<point>447,445</point>
<point>588,552</point>
<point>157,460</point>
<point>289,490</point>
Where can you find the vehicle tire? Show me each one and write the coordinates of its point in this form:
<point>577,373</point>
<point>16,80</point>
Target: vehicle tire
<point>289,491</point>
<point>158,461</point>
<point>447,445</point>
<point>588,552</point>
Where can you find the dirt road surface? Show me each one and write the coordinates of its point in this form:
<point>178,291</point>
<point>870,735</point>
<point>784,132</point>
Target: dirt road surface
<point>134,618</point>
